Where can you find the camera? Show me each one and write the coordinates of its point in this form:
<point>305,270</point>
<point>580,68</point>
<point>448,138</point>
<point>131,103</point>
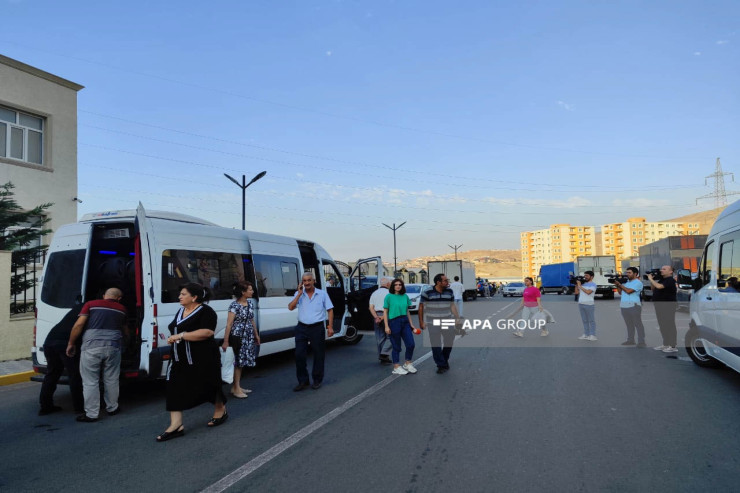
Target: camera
<point>573,279</point>
<point>617,278</point>
<point>654,272</point>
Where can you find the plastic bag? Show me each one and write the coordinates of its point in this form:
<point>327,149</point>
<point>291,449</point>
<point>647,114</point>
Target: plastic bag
<point>227,365</point>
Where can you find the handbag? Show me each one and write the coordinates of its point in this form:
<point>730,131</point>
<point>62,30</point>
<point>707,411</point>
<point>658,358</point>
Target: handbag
<point>227,365</point>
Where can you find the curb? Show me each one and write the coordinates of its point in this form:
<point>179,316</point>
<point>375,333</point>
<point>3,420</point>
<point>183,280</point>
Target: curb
<point>14,378</point>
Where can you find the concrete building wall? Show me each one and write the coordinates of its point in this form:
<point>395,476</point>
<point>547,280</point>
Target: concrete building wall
<point>16,334</point>
<point>27,89</point>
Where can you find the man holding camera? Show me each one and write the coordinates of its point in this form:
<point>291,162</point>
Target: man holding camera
<point>664,296</point>
<point>585,293</point>
<point>631,307</point>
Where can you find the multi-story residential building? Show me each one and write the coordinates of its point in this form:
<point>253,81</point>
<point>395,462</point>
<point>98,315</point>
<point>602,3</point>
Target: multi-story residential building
<point>623,240</point>
<point>38,138</point>
<point>558,243</point>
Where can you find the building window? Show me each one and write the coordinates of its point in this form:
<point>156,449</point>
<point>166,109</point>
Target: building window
<point>21,136</point>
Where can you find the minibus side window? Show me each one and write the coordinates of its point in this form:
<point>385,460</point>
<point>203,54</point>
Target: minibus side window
<point>275,276</point>
<point>217,271</point>
<point>63,279</point>
<point>729,267</point>
<point>706,263</point>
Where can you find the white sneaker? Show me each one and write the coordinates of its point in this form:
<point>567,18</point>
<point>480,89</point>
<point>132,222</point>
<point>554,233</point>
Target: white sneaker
<point>592,338</point>
<point>544,333</point>
<point>670,349</point>
<point>518,333</point>
<point>584,337</point>
<point>399,371</point>
<point>409,368</point>
<point>660,348</point>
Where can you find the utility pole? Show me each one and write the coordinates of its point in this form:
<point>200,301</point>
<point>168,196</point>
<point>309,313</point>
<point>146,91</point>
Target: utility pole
<point>243,185</point>
<point>395,259</point>
<point>455,248</point>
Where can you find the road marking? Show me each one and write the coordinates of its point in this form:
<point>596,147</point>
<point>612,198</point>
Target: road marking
<point>262,459</point>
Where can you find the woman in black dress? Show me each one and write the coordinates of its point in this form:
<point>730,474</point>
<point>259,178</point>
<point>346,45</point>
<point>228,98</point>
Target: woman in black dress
<point>195,364</point>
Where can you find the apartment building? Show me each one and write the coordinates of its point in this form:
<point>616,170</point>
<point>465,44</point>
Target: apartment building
<point>623,240</point>
<point>558,243</point>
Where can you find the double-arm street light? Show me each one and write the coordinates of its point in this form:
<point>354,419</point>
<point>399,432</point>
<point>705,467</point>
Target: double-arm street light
<point>243,185</point>
<point>394,228</point>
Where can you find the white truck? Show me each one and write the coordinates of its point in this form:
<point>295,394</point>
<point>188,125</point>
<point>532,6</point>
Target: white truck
<point>602,266</point>
<point>462,268</point>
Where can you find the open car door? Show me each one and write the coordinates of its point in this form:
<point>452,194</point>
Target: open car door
<point>363,281</point>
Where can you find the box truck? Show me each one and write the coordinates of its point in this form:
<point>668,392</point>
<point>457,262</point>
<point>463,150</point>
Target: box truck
<point>555,278</point>
<point>602,266</point>
<point>680,252</point>
<point>462,268</point>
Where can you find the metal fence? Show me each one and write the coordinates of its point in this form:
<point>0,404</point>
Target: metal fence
<point>25,301</point>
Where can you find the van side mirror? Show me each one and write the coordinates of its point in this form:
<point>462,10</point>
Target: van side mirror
<point>684,276</point>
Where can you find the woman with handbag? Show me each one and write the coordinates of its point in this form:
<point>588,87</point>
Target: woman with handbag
<point>241,334</point>
<point>398,325</point>
<point>194,375</point>
<point>531,304</point>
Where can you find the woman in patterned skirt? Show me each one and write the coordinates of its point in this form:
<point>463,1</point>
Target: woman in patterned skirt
<point>241,333</point>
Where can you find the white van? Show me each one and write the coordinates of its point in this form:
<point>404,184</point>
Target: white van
<point>714,328</point>
<point>150,254</point>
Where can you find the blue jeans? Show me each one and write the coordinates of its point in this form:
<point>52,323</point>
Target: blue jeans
<point>589,319</point>
<point>316,335</point>
<point>400,329</point>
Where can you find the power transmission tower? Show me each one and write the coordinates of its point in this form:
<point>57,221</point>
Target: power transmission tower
<point>719,194</point>
<point>456,247</point>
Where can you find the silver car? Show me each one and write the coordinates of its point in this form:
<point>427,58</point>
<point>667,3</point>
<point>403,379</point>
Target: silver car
<point>514,289</point>
<point>414,293</point>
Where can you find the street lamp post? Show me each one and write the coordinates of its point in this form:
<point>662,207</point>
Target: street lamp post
<point>243,185</point>
<point>394,228</point>
<point>456,247</point>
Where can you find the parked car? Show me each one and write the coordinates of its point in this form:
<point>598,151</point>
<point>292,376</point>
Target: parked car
<point>514,289</point>
<point>414,293</point>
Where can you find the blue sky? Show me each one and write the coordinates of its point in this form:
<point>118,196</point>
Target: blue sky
<point>472,121</point>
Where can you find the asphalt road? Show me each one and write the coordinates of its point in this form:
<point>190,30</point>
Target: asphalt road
<point>534,414</point>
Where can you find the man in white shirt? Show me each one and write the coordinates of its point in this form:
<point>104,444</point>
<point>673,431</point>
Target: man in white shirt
<point>382,339</point>
<point>457,289</point>
<point>586,307</point>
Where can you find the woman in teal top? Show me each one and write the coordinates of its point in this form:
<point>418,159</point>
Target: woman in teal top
<point>398,325</point>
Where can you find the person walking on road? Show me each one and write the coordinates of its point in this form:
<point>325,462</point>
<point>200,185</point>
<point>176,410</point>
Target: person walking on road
<point>314,308</point>
<point>194,376</point>
<point>586,292</point>
<point>104,325</point>
<point>631,307</point>
<point>457,289</point>
<point>241,334</point>
<point>55,352</point>
<point>664,296</point>
<point>531,304</point>
<point>382,340</point>
<point>436,306</point>
<point>399,325</point>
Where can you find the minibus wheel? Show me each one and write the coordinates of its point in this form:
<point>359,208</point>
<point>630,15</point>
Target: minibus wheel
<point>352,337</point>
<point>697,351</point>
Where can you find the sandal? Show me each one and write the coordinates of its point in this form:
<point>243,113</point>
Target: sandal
<point>169,435</point>
<point>218,421</point>
<point>240,396</point>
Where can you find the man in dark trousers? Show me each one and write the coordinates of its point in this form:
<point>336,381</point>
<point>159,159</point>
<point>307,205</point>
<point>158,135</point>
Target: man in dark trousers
<point>438,313</point>
<point>664,296</point>
<point>55,347</point>
<point>314,307</point>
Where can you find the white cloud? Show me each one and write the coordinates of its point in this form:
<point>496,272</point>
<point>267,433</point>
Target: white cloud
<point>723,41</point>
<point>697,53</point>
<point>641,202</point>
<point>570,203</point>
<point>565,106</point>
<point>299,175</point>
<point>328,53</point>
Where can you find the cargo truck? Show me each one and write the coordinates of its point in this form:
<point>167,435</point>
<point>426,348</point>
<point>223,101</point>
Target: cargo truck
<point>680,252</point>
<point>602,266</point>
<point>555,278</point>
<point>462,268</point>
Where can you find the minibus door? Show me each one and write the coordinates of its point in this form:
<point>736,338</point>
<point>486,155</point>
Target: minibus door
<point>363,281</point>
<point>148,328</point>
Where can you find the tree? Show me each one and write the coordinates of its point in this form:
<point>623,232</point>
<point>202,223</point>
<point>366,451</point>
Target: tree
<point>19,229</point>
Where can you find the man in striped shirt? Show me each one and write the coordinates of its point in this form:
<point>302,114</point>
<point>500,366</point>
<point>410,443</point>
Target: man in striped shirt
<point>104,324</point>
<point>438,303</point>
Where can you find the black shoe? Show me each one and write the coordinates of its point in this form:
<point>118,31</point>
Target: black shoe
<point>385,361</point>
<point>301,386</point>
<point>115,411</point>
<point>441,369</point>
<point>52,409</point>
<point>316,385</point>
<point>628,343</point>
<point>218,421</point>
<point>641,344</point>
<point>84,418</point>
<point>169,435</point>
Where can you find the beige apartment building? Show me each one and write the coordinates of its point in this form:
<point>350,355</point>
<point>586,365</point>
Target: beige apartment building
<point>623,240</point>
<point>558,243</point>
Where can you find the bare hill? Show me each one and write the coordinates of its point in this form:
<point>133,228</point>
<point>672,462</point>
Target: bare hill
<point>705,219</point>
<point>488,263</point>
